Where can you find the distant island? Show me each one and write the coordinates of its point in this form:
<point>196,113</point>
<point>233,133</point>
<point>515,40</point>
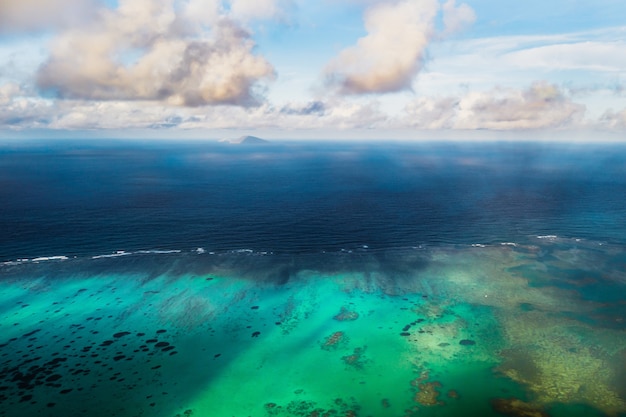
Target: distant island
<point>246,140</point>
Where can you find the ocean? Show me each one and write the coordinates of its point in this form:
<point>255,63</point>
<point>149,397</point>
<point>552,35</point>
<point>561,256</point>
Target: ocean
<point>180,278</point>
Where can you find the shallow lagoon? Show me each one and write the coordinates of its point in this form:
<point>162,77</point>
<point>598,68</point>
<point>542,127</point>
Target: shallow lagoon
<point>475,330</point>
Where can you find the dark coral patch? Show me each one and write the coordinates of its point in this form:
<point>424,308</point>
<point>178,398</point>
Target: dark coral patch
<point>334,340</point>
<point>516,408</point>
<point>346,315</point>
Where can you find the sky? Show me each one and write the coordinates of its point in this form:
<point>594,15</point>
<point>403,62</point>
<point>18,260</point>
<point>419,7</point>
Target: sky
<point>313,68</point>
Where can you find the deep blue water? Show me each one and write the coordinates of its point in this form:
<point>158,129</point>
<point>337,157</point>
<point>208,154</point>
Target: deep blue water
<point>93,197</point>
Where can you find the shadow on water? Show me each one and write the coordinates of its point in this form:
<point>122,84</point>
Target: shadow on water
<point>111,345</point>
<point>128,336</point>
<point>576,410</point>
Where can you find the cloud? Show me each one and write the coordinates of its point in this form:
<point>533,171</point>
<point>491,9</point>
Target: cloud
<point>394,50</point>
<point>8,91</point>
<point>29,15</point>
<point>587,55</point>
<point>456,18</point>
<point>614,120</point>
<point>248,10</point>
<point>432,113</point>
<point>540,106</point>
<point>316,107</point>
<point>161,50</point>
<point>18,109</point>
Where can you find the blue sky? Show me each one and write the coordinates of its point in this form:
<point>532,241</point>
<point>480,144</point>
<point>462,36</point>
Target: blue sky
<point>313,69</point>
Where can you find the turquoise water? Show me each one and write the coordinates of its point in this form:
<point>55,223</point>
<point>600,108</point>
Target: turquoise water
<point>520,330</point>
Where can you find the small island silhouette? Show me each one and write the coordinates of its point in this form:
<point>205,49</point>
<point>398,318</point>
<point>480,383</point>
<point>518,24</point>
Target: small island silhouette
<point>246,140</point>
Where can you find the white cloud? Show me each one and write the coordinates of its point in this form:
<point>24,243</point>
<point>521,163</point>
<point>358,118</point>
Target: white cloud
<point>614,120</point>
<point>394,50</point>
<point>540,106</point>
<point>588,65</point>
<point>588,55</point>
<point>248,10</point>
<point>391,53</point>
<point>456,18</point>
<point>28,15</point>
<point>157,50</point>
<point>432,113</point>
<point>19,110</point>
<point>8,91</point>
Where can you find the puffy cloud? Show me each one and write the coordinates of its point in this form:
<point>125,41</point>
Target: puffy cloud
<point>28,15</point>
<point>456,18</point>
<point>247,10</point>
<point>391,53</point>
<point>432,113</point>
<point>18,109</point>
<point>614,120</point>
<point>163,50</point>
<point>8,91</point>
<point>542,105</point>
<point>389,57</point>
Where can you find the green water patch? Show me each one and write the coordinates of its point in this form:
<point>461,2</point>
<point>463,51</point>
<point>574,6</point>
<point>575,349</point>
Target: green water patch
<point>468,387</point>
<point>116,345</point>
<point>459,337</point>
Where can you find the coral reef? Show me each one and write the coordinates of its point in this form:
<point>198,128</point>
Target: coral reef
<point>311,409</point>
<point>356,359</point>
<point>346,315</point>
<point>555,366</point>
<point>453,394</point>
<point>427,392</point>
<point>335,340</point>
<point>514,407</point>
